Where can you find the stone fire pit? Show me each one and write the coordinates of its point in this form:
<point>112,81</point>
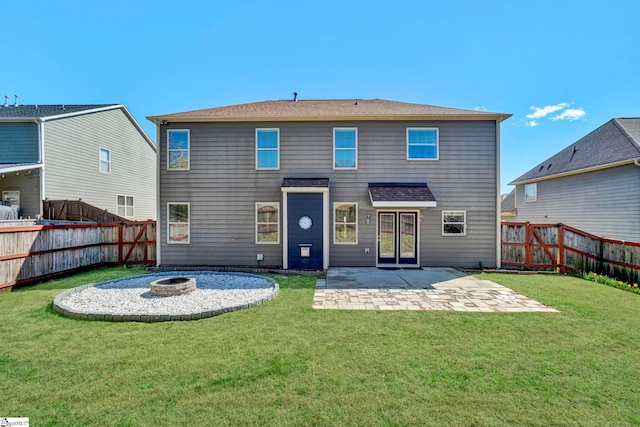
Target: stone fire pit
<point>172,286</point>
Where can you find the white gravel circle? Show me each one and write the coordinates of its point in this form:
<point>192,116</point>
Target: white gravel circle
<point>130,298</point>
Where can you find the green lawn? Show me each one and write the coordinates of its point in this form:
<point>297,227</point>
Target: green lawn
<point>283,363</point>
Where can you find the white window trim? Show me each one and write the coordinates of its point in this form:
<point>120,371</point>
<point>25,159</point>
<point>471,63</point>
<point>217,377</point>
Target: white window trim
<point>437,144</point>
<point>336,223</point>
<point>345,149</point>
<point>188,150</point>
<point>125,205</point>
<point>256,223</point>
<point>463,223</point>
<point>268,149</point>
<point>535,197</point>
<point>100,160</point>
<point>186,242</point>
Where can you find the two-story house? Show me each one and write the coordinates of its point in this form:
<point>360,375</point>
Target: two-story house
<point>97,153</point>
<point>318,183</point>
<point>592,184</point>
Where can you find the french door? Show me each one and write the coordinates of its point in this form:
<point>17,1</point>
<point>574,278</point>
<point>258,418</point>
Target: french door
<point>397,238</point>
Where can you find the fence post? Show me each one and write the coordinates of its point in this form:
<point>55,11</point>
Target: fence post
<point>560,261</point>
<point>528,259</point>
<point>120,245</point>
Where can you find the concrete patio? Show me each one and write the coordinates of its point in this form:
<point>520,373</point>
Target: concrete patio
<point>442,289</point>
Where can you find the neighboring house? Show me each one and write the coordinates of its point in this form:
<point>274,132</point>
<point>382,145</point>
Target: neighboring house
<point>592,185</point>
<point>97,153</point>
<point>319,183</point>
<point>508,206</point>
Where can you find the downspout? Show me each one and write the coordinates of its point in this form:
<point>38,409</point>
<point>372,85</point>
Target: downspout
<point>498,200</point>
<point>158,210</point>
<point>43,196</point>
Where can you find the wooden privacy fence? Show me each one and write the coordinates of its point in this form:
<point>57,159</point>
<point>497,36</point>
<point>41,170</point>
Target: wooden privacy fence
<point>38,252</point>
<point>563,248</point>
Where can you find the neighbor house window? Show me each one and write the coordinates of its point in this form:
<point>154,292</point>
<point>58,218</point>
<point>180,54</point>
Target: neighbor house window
<point>178,149</point>
<point>345,148</point>
<point>454,223</point>
<point>531,192</point>
<point>268,222</point>
<point>105,160</point>
<point>125,205</point>
<point>178,222</point>
<point>422,143</point>
<point>267,149</point>
<point>345,223</point>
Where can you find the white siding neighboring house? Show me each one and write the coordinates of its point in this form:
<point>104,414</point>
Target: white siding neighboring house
<point>317,183</point>
<point>593,184</point>
<point>97,153</point>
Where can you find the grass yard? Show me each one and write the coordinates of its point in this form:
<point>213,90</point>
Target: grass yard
<point>283,363</point>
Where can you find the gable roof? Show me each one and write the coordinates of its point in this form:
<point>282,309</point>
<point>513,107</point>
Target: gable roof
<point>318,110</point>
<point>617,142</point>
<point>58,111</point>
<point>508,204</point>
<point>48,111</point>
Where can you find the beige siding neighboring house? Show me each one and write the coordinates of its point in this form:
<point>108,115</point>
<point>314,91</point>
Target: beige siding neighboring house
<point>591,185</point>
<point>319,183</point>
<point>97,153</point>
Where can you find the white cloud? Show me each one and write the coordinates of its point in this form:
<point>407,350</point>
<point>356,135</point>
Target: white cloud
<point>531,123</point>
<point>570,114</point>
<point>480,108</point>
<point>539,113</point>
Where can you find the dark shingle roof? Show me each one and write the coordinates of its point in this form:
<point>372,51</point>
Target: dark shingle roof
<point>400,192</point>
<point>326,109</point>
<point>618,140</point>
<point>508,204</point>
<point>305,182</point>
<point>38,111</point>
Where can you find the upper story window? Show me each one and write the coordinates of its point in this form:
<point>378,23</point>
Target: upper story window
<point>178,224</point>
<point>178,149</point>
<point>531,192</point>
<point>125,205</point>
<point>105,160</point>
<point>422,143</point>
<point>345,148</point>
<point>267,149</point>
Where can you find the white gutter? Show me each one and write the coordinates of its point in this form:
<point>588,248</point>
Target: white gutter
<point>637,161</point>
<point>578,171</point>
<point>158,209</point>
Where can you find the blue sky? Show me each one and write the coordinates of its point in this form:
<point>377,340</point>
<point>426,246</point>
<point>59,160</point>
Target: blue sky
<point>561,68</point>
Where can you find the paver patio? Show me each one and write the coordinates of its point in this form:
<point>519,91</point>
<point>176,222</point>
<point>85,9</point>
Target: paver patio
<point>443,289</point>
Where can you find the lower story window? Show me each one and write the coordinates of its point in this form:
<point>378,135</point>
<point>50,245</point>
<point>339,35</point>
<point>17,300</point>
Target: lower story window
<point>178,222</point>
<point>345,220</point>
<point>454,223</point>
<point>125,205</point>
<point>268,222</point>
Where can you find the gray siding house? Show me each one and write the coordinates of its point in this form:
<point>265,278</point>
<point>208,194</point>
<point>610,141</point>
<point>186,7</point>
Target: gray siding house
<point>316,183</point>
<point>97,153</point>
<point>593,184</point>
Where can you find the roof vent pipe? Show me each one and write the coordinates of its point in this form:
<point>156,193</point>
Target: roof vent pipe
<point>6,101</point>
<point>295,96</point>
<point>16,104</point>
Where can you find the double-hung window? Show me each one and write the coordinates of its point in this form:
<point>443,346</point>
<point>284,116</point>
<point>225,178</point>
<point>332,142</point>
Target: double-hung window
<point>178,149</point>
<point>422,144</point>
<point>345,148</point>
<point>454,223</point>
<point>531,192</point>
<point>178,215</point>
<point>105,160</point>
<point>345,223</point>
<point>125,205</point>
<point>268,222</point>
<point>268,149</point>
